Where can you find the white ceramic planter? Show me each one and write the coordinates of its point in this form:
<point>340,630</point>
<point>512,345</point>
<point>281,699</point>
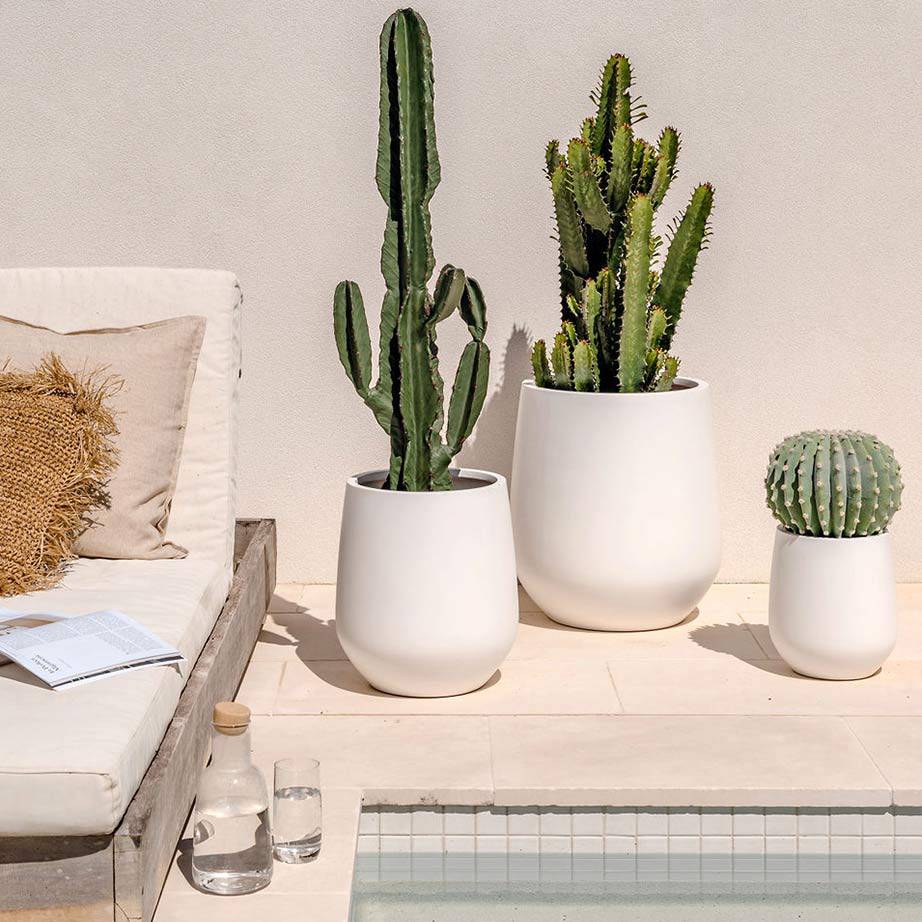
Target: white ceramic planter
<point>832,610</point>
<point>426,598</point>
<point>615,505</point>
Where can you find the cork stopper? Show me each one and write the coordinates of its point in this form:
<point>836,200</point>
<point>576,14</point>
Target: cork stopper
<point>231,718</point>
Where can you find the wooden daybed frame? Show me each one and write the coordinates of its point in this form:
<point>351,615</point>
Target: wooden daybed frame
<point>119,876</point>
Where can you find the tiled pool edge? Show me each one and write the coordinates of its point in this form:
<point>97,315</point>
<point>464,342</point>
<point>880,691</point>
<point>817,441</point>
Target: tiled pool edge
<point>884,840</point>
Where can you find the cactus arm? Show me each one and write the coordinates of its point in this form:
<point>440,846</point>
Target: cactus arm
<point>418,162</point>
<point>585,367</point>
<point>655,328</point>
<point>623,109</point>
<point>574,311</point>
<point>669,373</point>
<point>607,335</point>
<point>468,393</point>
<point>637,274</point>
<point>552,158</point>
<point>448,291</point>
<point>350,327</point>
<point>821,485</point>
<point>569,330</point>
<point>679,267</point>
<point>645,169</point>
<point>604,123</point>
<point>585,186</point>
<point>619,176</point>
<point>561,363</point>
<point>473,309</point>
<point>569,232</point>
<point>592,307</point>
<point>540,365</point>
<point>440,479</point>
<point>668,152</point>
<point>588,197</point>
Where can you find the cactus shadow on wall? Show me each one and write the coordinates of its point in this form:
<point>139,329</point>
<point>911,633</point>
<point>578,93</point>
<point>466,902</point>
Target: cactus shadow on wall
<point>492,444</point>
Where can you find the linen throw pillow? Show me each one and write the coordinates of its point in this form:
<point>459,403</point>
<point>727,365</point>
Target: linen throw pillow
<point>157,362</point>
<point>56,453</point>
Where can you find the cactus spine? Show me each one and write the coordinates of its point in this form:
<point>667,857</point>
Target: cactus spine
<point>833,484</point>
<point>606,190</point>
<point>407,399</point>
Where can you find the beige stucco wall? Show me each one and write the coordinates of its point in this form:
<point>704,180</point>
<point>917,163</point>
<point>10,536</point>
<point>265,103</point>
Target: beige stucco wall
<point>241,135</point>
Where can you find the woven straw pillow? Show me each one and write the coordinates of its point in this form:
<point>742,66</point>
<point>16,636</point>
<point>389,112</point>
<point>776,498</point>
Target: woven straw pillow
<point>56,454</point>
<point>157,362</point>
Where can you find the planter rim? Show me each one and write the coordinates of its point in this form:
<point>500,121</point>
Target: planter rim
<point>690,386</point>
<point>485,480</point>
<point>826,539</point>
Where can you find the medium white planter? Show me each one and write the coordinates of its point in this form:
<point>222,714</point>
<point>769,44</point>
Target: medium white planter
<point>832,609</point>
<point>426,597</point>
<point>615,505</point>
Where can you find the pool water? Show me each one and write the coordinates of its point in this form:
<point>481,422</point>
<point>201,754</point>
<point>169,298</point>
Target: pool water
<point>498,888</point>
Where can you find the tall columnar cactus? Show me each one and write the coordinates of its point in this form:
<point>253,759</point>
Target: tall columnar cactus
<point>833,484</point>
<point>407,399</point>
<point>619,310</point>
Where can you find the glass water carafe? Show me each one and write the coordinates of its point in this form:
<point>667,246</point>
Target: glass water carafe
<point>232,847</point>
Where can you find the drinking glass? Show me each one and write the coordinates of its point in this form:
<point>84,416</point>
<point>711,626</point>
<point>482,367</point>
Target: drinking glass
<point>296,815</point>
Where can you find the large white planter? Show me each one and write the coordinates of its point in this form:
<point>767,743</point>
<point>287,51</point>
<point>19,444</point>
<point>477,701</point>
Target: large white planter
<point>615,506</point>
<point>832,609</point>
<point>426,597</point>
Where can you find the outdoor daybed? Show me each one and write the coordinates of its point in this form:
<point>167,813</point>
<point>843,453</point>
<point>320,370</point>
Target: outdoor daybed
<point>96,781</point>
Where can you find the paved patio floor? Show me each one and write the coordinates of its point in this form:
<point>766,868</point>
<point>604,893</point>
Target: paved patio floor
<point>704,713</point>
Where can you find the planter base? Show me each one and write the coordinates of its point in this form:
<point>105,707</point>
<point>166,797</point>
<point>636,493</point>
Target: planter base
<point>615,506</point>
<point>832,609</point>
<point>426,599</point>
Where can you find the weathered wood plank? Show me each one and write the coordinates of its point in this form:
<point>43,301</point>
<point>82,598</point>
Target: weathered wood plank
<point>145,841</point>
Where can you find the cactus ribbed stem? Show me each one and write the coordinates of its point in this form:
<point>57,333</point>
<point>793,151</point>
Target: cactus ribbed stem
<point>833,484</point>
<point>596,186</point>
<point>636,281</point>
<point>408,397</point>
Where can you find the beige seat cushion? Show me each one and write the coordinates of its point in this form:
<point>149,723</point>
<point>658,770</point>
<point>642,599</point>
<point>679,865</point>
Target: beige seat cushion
<point>157,362</point>
<point>70,761</point>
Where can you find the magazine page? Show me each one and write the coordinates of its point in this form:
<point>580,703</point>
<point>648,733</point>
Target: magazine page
<point>16,621</point>
<point>82,647</point>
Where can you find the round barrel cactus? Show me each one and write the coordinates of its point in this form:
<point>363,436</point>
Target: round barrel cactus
<point>833,484</point>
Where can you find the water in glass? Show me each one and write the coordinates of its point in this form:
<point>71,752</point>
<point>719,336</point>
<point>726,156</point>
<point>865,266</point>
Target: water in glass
<point>296,810</point>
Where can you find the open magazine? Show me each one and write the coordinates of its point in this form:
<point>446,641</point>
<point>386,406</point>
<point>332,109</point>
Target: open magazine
<point>67,650</point>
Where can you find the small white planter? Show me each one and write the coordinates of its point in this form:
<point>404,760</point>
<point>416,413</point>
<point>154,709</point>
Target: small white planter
<point>615,506</point>
<point>426,597</point>
<point>832,609</point>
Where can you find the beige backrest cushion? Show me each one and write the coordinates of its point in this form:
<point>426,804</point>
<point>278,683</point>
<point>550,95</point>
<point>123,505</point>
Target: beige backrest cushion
<point>68,299</point>
<point>157,364</point>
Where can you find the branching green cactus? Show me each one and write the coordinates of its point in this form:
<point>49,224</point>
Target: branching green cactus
<point>833,484</point>
<point>606,190</point>
<point>407,399</point>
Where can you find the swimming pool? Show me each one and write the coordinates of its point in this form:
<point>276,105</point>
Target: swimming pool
<point>586,864</point>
